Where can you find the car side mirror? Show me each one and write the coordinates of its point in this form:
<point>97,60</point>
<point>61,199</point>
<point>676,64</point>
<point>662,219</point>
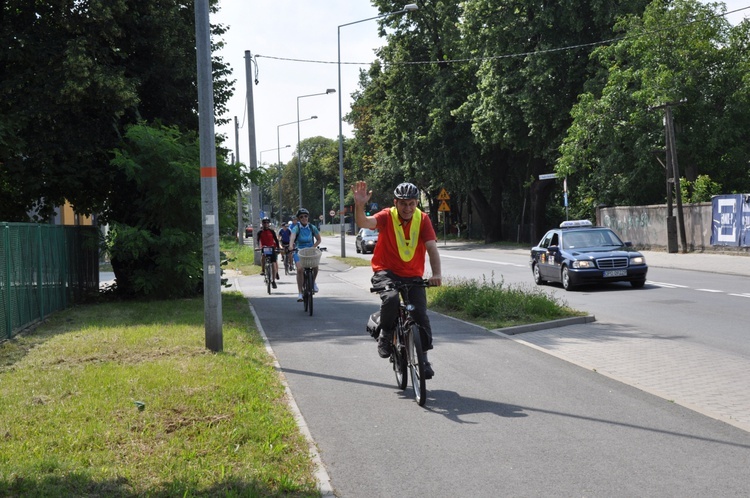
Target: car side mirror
<point>628,244</point>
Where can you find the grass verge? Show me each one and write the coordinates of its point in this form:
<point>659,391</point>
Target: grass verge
<point>240,258</point>
<point>123,399</point>
<point>494,305</point>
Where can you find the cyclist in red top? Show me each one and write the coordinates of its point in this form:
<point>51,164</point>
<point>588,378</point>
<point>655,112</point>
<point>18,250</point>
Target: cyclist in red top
<point>267,238</point>
<point>405,235</point>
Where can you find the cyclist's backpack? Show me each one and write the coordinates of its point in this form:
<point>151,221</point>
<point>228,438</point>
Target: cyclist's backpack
<point>373,325</point>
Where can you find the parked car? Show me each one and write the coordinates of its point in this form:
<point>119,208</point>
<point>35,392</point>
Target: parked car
<point>366,240</point>
<point>578,253</point>
<point>248,231</point>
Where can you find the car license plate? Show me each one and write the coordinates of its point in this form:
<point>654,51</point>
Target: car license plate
<point>615,273</point>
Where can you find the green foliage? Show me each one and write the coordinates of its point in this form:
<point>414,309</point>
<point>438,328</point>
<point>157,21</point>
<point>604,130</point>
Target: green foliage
<point>73,76</point>
<point>156,244</point>
<point>677,52</point>
<point>494,305</point>
<point>701,190</point>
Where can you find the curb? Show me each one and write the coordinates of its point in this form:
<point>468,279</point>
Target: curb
<point>533,327</point>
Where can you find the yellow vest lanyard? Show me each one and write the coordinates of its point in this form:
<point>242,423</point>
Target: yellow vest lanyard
<point>406,248</point>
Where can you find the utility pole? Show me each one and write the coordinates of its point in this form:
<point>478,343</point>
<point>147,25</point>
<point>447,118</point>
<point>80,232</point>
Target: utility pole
<point>209,197</point>
<point>673,179</point>
<point>253,151</point>
<point>240,227</point>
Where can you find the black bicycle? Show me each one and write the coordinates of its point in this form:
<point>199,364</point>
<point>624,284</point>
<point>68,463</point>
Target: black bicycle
<point>406,351</point>
<point>287,259</point>
<point>269,275</point>
<point>310,259</point>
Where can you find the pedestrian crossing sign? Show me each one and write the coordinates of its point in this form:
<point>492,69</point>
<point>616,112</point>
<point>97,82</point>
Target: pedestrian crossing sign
<point>443,196</point>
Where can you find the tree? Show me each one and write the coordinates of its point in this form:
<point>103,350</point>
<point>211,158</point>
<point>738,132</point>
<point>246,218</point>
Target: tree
<point>73,76</point>
<point>535,64</point>
<point>155,244</point>
<point>676,52</point>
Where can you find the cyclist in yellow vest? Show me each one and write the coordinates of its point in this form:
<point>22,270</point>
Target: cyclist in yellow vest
<point>405,235</point>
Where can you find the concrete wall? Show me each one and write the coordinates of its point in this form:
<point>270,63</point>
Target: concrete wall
<point>646,226</point>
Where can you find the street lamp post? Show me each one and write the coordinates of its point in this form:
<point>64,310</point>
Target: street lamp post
<point>277,142</point>
<point>279,166</point>
<point>407,8</point>
<point>299,154</point>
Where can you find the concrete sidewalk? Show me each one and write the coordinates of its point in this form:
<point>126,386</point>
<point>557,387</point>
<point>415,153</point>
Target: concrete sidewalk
<point>730,264</point>
<point>710,382</point>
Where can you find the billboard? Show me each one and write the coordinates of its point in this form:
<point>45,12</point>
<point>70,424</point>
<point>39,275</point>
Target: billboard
<point>730,215</point>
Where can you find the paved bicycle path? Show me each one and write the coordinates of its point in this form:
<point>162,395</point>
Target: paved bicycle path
<point>501,418</point>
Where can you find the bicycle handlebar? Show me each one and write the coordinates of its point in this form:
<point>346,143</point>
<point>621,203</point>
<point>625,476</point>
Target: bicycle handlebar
<point>401,285</point>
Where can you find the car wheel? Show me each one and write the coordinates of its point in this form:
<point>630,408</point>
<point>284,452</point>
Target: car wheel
<point>637,284</point>
<point>538,280</point>
<point>566,279</point>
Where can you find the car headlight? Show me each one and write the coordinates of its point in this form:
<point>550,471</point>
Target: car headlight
<point>583,264</point>
<point>638,260</point>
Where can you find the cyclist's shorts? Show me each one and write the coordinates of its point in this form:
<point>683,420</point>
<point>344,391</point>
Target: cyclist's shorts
<point>270,253</point>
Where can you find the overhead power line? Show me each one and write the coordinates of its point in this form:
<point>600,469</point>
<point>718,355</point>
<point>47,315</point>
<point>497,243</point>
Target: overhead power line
<point>509,56</point>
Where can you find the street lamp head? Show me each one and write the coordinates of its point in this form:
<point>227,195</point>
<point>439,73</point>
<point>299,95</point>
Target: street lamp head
<point>313,117</point>
<point>330,90</point>
<point>410,7</point>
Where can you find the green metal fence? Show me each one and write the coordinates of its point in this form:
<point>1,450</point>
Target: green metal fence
<point>45,268</point>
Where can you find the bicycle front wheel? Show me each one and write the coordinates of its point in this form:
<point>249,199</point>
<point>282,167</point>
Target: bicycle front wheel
<point>416,364</point>
<point>269,269</point>
<point>310,286</point>
<point>399,360</point>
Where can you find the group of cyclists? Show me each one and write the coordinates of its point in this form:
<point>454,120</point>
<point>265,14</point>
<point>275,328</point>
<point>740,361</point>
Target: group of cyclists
<point>299,233</point>
<point>406,237</point>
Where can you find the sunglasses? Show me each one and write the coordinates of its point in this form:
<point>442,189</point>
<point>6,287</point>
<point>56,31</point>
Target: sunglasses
<point>303,216</point>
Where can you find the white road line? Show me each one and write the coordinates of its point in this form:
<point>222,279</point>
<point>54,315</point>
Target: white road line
<point>501,263</point>
<point>740,295</point>
<point>709,290</point>
<point>667,285</point>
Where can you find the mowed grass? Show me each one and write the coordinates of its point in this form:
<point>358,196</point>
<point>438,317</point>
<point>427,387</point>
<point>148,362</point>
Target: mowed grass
<point>494,305</point>
<point>124,399</point>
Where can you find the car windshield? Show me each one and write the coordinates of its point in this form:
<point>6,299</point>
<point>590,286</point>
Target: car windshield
<point>590,238</point>
<point>367,232</point>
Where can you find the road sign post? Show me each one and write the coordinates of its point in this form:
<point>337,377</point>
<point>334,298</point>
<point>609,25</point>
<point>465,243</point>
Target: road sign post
<point>444,208</point>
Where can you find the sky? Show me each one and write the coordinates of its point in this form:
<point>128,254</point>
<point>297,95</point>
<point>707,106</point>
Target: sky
<point>307,30</point>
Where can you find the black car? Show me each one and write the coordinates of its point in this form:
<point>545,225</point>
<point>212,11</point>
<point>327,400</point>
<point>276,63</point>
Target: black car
<point>579,253</point>
<point>366,240</point>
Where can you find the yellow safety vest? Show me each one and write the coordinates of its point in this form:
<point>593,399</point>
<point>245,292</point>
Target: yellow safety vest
<point>406,248</point>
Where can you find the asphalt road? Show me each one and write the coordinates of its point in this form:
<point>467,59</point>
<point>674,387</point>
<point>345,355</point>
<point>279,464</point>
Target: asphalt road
<point>501,418</point>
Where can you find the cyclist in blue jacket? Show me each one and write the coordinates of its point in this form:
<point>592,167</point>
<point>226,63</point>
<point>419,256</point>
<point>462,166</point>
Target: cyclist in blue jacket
<point>304,235</point>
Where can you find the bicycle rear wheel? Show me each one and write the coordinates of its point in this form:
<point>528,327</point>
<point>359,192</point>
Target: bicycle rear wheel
<point>399,360</point>
<point>416,364</point>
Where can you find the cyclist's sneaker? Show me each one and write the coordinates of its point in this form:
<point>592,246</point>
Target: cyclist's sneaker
<point>300,298</point>
<point>315,287</point>
<point>384,347</point>
<point>262,274</point>
<point>428,371</point>
<point>278,277</point>
<point>273,284</point>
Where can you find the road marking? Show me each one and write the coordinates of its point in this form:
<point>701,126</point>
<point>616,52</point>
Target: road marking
<point>740,295</point>
<point>708,290</point>
<point>667,285</point>
<point>501,263</point>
